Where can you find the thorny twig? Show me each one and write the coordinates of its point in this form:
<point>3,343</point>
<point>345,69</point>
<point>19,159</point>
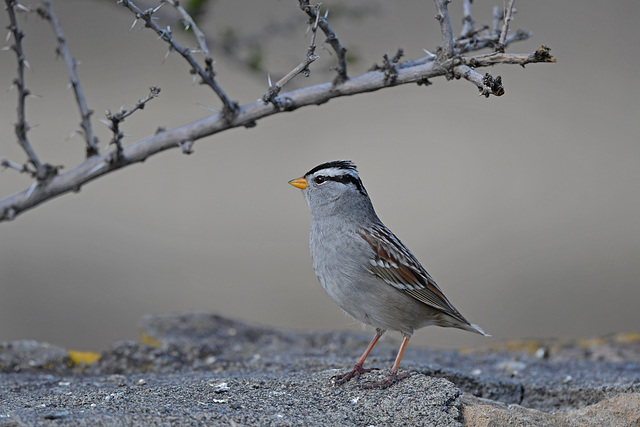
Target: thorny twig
<point>446,50</point>
<point>392,72</point>
<point>467,20</point>
<point>245,51</point>
<point>470,40</point>
<point>200,37</point>
<point>541,55</point>
<point>498,14</point>
<point>468,44</point>
<point>505,26</point>
<point>230,108</point>
<point>117,118</point>
<point>487,84</point>
<point>389,67</point>
<point>62,50</point>
<point>41,171</point>
<point>332,39</point>
<point>8,164</point>
<point>303,67</point>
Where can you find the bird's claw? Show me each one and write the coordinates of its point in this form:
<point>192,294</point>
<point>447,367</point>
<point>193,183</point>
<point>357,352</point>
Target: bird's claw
<point>391,379</point>
<point>355,372</point>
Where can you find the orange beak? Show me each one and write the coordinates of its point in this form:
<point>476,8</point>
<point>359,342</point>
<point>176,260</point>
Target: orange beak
<point>300,183</point>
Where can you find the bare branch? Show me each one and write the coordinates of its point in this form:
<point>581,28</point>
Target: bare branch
<point>303,67</point>
<point>505,26</point>
<point>200,37</point>
<point>118,118</point>
<point>184,136</point>
<point>245,51</point>
<point>42,171</point>
<point>390,66</point>
<point>191,24</point>
<point>445,28</point>
<point>92,141</point>
<point>332,39</point>
<point>541,55</point>
<point>486,84</point>
<point>496,17</point>
<point>473,43</point>
<point>448,62</point>
<point>230,108</point>
<point>467,20</point>
<point>8,164</point>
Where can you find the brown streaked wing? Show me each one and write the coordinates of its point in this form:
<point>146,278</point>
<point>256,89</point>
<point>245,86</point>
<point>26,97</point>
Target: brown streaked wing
<point>397,266</point>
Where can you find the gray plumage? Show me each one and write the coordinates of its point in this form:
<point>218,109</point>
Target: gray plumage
<point>362,265</point>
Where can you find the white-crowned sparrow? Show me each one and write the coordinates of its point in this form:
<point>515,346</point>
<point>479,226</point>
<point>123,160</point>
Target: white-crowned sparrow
<point>365,268</point>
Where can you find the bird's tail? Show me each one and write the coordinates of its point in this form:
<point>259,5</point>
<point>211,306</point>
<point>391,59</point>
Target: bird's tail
<point>474,328</point>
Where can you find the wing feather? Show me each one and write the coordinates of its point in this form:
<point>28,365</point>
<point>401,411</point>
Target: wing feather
<point>397,266</point>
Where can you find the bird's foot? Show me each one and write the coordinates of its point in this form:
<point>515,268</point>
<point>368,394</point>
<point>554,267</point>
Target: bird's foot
<point>391,379</point>
<point>355,372</point>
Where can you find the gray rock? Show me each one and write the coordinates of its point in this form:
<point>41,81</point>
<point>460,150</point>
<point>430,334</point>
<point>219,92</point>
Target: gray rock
<point>293,399</point>
<point>620,411</point>
<point>19,356</point>
<point>205,369</point>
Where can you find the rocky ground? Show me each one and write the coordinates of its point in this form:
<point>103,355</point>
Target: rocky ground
<point>202,369</point>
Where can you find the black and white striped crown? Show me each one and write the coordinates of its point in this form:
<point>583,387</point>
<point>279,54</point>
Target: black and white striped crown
<point>343,171</point>
<point>337,167</point>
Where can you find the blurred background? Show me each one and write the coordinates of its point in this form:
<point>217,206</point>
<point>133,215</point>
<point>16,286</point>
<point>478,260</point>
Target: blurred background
<point>525,208</point>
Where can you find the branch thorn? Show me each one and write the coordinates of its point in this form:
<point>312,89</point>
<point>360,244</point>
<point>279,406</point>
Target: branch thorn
<point>429,54</point>
<point>186,146</point>
<point>23,8</point>
<point>96,168</point>
<point>30,190</point>
<point>157,8</point>
<point>206,107</point>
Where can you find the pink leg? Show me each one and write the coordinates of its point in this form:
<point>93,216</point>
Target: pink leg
<point>393,377</point>
<point>358,369</point>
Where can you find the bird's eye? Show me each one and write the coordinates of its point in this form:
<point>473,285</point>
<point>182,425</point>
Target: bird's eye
<point>319,179</point>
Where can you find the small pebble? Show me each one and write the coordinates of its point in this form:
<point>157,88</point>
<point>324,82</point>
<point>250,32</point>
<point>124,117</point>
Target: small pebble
<point>221,387</point>
<point>57,415</point>
<point>117,378</point>
<point>512,366</point>
<point>542,353</point>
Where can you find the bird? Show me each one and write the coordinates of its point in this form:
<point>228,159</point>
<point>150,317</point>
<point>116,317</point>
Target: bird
<point>366,269</point>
